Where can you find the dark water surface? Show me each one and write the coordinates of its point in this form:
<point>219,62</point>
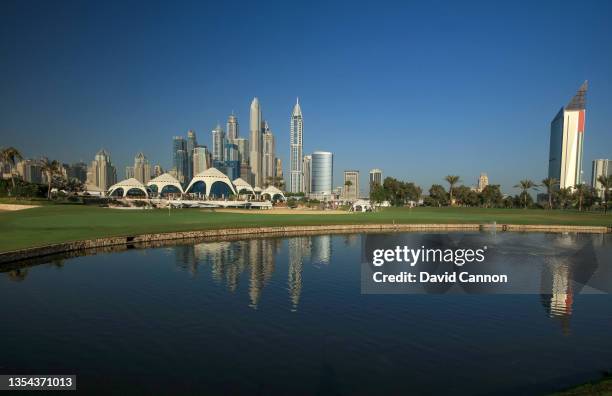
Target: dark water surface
<point>286,316</point>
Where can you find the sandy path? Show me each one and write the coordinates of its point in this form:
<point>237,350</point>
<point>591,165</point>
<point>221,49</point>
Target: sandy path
<point>11,207</point>
<point>276,211</point>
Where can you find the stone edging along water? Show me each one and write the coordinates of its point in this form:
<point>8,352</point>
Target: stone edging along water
<point>39,251</point>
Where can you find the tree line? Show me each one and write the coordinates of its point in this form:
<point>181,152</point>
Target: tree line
<point>581,196</point>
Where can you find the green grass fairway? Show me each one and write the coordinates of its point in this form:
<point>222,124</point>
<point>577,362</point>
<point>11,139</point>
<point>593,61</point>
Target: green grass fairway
<point>61,223</point>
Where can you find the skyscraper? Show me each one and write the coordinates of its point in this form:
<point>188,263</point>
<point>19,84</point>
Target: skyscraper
<point>243,150</point>
<point>142,169</point>
<point>129,172</point>
<point>191,144</point>
<point>101,172</point>
<point>295,156</point>
<point>351,185</point>
<point>199,159</point>
<point>601,167</point>
<point>218,144</point>
<point>179,159</point>
<point>268,155</point>
<point>256,155</point>
<point>157,171</point>
<point>483,181</point>
<point>375,177</point>
<point>232,128</point>
<point>566,141</point>
<point>322,169</point>
<point>306,174</point>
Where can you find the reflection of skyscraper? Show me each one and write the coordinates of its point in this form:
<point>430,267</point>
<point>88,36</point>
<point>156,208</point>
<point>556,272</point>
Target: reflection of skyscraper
<point>321,249</point>
<point>557,294</point>
<point>299,249</point>
<point>566,141</point>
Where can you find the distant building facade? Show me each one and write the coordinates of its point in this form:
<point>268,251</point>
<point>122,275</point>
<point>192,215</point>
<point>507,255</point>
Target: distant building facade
<point>321,174</point>
<point>180,168</point>
<point>375,178</point>
<point>200,163</point>
<point>101,172</point>
<point>601,167</point>
<point>567,140</point>
<point>296,174</point>
<point>351,185</point>
<point>142,169</point>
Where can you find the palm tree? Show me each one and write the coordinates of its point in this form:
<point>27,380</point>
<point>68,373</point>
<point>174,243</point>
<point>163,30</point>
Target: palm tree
<point>606,183</point>
<point>452,180</point>
<point>525,186</point>
<point>550,183</point>
<point>11,156</point>
<point>50,168</point>
<point>580,190</point>
<point>348,185</point>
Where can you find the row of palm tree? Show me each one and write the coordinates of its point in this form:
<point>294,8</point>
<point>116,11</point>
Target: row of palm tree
<point>12,156</point>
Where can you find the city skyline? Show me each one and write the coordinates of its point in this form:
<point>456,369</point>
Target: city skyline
<point>493,106</point>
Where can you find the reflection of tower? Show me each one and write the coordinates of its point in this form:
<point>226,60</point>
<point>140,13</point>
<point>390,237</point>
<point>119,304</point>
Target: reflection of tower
<point>321,249</point>
<point>298,249</point>
<point>186,259</point>
<point>256,280</point>
<point>556,292</point>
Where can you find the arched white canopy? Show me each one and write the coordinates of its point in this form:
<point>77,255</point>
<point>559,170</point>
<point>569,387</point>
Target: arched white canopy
<point>127,185</point>
<point>241,185</point>
<point>210,177</point>
<point>272,191</point>
<point>164,180</point>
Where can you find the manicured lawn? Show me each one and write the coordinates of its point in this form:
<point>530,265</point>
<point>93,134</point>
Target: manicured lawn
<point>60,223</point>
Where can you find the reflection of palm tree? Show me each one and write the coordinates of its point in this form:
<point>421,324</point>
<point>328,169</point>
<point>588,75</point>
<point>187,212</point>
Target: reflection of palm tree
<point>18,275</point>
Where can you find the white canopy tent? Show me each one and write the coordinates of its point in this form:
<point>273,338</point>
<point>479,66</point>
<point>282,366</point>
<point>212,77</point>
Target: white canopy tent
<point>126,186</point>
<point>210,177</point>
<point>165,180</point>
<point>242,185</point>
<point>272,192</point>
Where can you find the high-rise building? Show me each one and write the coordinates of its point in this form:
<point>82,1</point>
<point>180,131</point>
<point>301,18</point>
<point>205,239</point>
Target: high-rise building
<point>179,159</point>
<point>191,144</point>
<point>78,171</point>
<point>142,169</point>
<point>243,150</point>
<point>30,170</point>
<point>375,177</point>
<point>566,141</point>
<point>351,185</point>
<point>218,144</point>
<point>157,171</point>
<point>232,128</point>
<point>231,152</point>
<point>306,174</point>
<point>296,145</point>
<point>269,164</point>
<point>601,167</point>
<point>278,168</point>
<point>199,159</point>
<point>129,172</point>
<point>321,171</point>
<point>483,181</point>
<point>101,172</point>
<point>256,144</point>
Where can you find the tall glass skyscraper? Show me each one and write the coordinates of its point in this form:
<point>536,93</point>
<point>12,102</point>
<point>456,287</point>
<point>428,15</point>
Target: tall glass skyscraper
<point>566,141</point>
<point>321,173</point>
<point>232,128</point>
<point>218,144</point>
<point>295,156</point>
<point>179,159</point>
<point>191,144</point>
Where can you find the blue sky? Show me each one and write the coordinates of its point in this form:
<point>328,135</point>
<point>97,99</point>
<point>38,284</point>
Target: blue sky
<point>418,90</point>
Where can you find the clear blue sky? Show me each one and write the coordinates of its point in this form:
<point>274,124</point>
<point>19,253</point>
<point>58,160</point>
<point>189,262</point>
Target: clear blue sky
<point>418,90</point>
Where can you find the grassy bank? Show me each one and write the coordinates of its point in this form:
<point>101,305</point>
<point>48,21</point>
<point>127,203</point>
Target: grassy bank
<point>598,388</point>
<point>61,223</point>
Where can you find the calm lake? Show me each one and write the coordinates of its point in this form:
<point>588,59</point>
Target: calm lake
<point>287,316</point>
